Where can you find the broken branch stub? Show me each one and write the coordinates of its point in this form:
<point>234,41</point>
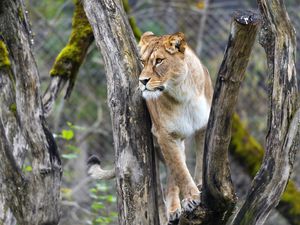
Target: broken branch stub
<point>217,187</point>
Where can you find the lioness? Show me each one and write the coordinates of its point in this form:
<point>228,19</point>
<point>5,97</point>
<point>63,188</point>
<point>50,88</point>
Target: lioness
<point>178,92</point>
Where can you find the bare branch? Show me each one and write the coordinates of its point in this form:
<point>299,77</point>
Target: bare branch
<point>218,195</point>
<point>218,186</point>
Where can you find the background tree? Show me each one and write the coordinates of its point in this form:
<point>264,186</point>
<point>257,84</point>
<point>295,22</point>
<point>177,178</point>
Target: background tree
<point>30,193</point>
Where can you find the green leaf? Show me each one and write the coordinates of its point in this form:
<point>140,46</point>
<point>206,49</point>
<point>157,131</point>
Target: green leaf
<point>97,205</point>
<point>113,214</point>
<point>93,190</point>
<point>67,134</point>
<point>111,198</point>
<point>99,220</point>
<point>69,156</point>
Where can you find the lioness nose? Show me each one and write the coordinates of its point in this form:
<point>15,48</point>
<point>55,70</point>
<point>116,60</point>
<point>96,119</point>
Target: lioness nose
<point>144,81</point>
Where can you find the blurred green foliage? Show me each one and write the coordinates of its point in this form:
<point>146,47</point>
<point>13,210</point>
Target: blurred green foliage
<point>102,200</point>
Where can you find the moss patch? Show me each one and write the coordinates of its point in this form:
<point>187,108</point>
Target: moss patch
<point>13,108</point>
<point>20,13</point>
<point>70,58</point>
<point>291,201</point>
<point>245,148</point>
<point>66,61</point>
<point>136,30</point>
<point>250,154</point>
<point>4,56</point>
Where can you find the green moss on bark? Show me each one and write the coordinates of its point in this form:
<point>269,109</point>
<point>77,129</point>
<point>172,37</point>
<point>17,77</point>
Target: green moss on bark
<point>136,30</point>
<point>20,13</point>
<point>13,108</point>
<point>290,203</point>
<point>73,54</point>
<point>250,154</point>
<point>4,56</point>
<point>70,58</point>
<point>245,148</point>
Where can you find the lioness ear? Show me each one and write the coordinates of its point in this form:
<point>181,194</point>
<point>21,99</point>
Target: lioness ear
<point>146,38</point>
<point>176,43</point>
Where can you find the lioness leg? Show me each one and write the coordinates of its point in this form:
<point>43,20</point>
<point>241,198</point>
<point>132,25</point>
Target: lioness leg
<point>172,199</point>
<point>173,152</point>
<point>199,138</point>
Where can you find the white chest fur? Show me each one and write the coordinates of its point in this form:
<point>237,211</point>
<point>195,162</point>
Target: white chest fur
<point>189,118</point>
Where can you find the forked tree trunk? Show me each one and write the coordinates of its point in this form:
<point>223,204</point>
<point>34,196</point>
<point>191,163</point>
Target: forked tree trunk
<point>32,196</point>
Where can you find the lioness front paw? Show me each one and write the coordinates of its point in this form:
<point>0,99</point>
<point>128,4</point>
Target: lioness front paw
<point>188,205</point>
<point>174,217</point>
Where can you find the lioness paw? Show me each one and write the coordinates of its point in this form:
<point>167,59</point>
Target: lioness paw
<point>174,217</point>
<point>188,205</point>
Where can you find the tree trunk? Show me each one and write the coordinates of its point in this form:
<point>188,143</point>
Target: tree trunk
<point>135,158</point>
<point>31,196</point>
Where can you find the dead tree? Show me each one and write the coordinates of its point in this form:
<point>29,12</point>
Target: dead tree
<point>136,179</point>
<point>32,197</point>
<point>115,40</point>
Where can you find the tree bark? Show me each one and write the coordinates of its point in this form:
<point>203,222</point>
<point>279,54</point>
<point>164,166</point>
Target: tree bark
<point>31,196</point>
<point>135,161</point>
<point>218,195</point>
<point>278,39</point>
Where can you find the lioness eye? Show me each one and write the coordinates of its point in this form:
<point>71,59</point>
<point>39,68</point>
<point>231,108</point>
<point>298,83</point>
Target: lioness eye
<point>158,61</point>
<point>143,62</point>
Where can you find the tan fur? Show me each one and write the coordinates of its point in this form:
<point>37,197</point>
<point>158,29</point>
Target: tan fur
<point>178,93</point>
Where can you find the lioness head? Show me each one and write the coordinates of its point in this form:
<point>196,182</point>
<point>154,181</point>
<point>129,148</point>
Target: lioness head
<point>163,62</point>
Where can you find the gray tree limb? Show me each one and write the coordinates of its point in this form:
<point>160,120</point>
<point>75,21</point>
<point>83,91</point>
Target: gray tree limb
<point>217,185</point>
<point>135,158</point>
<point>218,195</point>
